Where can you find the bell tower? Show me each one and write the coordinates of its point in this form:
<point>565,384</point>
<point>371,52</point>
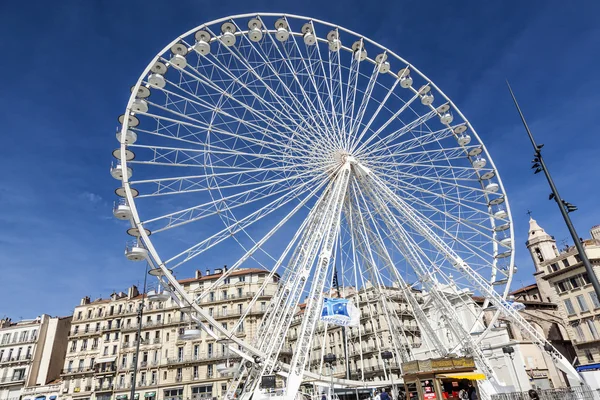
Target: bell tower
<point>541,246</point>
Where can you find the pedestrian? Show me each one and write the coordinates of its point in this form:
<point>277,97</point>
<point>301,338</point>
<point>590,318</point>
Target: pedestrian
<point>384,395</point>
<point>472,392</point>
<point>323,397</point>
<point>463,394</point>
<point>533,395</point>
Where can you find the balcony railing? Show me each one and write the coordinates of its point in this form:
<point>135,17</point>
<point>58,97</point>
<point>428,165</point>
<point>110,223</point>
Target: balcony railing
<point>83,332</point>
<point>77,370</point>
<point>15,359</point>
<point>12,379</point>
<point>18,341</point>
<point>200,357</point>
<point>104,387</point>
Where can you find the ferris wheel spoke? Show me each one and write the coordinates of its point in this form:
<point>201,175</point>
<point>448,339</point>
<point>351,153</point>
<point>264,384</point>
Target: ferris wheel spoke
<point>380,107</point>
<point>277,110</point>
<point>310,74</point>
<point>245,198</point>
<point>208,181</point>
<point>418,142</point>
<point>299,109</point>
<point>275,135</point>
<point>366,98</point>
<point>241,224</point>
<point>395,135</point>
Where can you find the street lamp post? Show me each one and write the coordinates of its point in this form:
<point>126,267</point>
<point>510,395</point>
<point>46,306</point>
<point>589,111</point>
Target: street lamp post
<point>564,207</point>
<point>329,359</point>
<point>511,353</point>
<point>136,355</point>
<point>387,356</point>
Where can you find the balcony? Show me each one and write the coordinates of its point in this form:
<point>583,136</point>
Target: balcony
<point>13,342</point>
<point>145,325</point>
<point>104,387</point>
<point>19,359</point>
<point>200,357</point>
<point>78,370</point>
<point>12,380</point>
<point>84,332</point>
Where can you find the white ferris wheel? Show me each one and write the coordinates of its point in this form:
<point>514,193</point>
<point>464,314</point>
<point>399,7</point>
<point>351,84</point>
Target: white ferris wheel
<point>300,147</point>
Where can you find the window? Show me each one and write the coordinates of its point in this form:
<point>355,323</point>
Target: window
<point>195,372</point>
<point>210,311</point>
<point>224,294</point>
<point>204,391</point>
<point>240,308</point>
<point>582,303</point>
<point>105,350</point>
<point>209,370</point>
<point>565,262</point>
<point>554,267</point>
<point>577,258</point>
<point>538,253</point>
<point>239,292</point>
<point>196,351</point>
<point>84,344</point>
<point>179,375</point>
<point>575,282</point>
<point>70,366</point>
<point>594,298</point>
<point>263,306</point>
<point>243,278</point>
<point>569,306</point>
<point>579,330</point>
<point>153,378</point>
<point>224,311</point>
<point>210,349</point>
<point>79,315</point>
<point>211,296</point>
<point>585,278</point>
<point>589,355</point>
<point>123,361</point>
<point>226,281</point>
<point>180,353</point>
<point>593,330</point>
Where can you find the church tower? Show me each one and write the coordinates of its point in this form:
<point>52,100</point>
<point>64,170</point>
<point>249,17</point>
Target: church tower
<point>541,245</point>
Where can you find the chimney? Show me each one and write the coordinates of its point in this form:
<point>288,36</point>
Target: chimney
<point>85,300</point>
<point>132,292</point>
<point>208,272</point>
<point>198,274</point>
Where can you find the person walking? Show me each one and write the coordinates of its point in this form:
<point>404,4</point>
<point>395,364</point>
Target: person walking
<point>384,395</point>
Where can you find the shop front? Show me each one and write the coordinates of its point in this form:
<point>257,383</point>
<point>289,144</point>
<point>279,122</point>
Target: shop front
<point>440,378</point>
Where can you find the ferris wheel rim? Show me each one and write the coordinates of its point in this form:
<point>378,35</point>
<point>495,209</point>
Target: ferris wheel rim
<point>136,221</point>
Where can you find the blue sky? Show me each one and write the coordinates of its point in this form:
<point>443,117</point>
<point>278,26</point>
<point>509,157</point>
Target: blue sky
<point>68,67</point>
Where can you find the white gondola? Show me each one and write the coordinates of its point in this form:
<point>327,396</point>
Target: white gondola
<point>506,242</point>
<point>405,79</point>
<point>446,118</point>
<point>157,81</point>
<point>130,136</point>
<point>479,163</point>
<point>308,35</point>
<point>500,214</point>
<point>492,188</point>
<point>121,209</point>
<point>463,140</point>
<point>178,61</point>
<point>158,295</point>
<point>427,99</point>
<point>255,33</point>
<point>139,105</point>
<point>334,41</point>
<point>116,171</point>
<point>282,28</point>
<point>190,334</point>
<point>118,154</point>
<point>134,251</point>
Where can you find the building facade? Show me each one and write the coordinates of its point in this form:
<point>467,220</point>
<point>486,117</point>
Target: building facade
<point>31,353</point>
<point>561,279</point>
<point>358,349</point>
<point>104,338</point>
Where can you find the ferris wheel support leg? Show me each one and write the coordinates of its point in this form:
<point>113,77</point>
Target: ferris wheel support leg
<point>315,299</point>
<point>481,284</point>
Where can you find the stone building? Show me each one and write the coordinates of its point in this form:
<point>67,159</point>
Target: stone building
<point>366,342</point>
<point>103,339</point>
<point>561,279</point>
<point>31,353</point>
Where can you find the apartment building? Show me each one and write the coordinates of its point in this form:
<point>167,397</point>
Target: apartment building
<point>104,337</point>
<point>31,353</point>
<point>366,342</point>
<point>562,279</point>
